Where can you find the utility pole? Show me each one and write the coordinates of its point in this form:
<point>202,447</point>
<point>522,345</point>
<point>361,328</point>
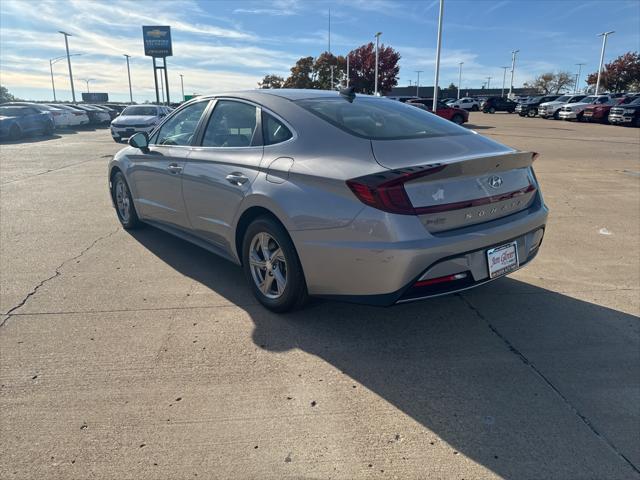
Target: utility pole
<point>575,89</point>
<point>129,75</point>
<point>460,78</point>
<point>504,80</point>
<point>439,47</point>
<point>604,36</point>
<point>348,55</point>
<point>66,44</point>
<point>182,85</point>
<point>513,67</point>
<point>488,82</point>
<point>375,87</point>
<point>53,85</point>
<point>331,67</point>
<point>418,83</point>
<point>329,36</point>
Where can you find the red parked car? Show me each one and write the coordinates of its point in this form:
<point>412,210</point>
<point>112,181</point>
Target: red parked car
<point>455,114</point>
<point>600,112</point>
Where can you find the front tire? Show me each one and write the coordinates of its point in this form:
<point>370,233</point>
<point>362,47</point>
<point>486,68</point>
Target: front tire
<point>531,113</point>
<point>457,119</point>
<point>492,110</point>
<point>123,201</point>
<point>272,267</point>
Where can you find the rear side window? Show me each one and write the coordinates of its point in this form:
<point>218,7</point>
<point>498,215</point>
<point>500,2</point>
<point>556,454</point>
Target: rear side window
<point>232,124</point>
<point>273,131</point>
<point>380,119</point>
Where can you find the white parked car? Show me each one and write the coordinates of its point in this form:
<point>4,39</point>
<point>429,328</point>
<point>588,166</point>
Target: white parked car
<point>137,118</point>
<point>467,103</point>
<point>61,118</point>
<point>78,118</point>
<point>552,109</point>
<point>574,111</point>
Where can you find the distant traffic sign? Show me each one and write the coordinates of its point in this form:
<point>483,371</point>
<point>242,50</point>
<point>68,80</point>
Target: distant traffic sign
<point>190,97</point>
<point>157,41</point>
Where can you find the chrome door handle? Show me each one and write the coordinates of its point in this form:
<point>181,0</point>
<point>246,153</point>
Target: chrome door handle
<point>236,178</point>
<point>174,168</point>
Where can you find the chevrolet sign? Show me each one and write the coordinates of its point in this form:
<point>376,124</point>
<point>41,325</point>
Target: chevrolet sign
<point>157,41</point>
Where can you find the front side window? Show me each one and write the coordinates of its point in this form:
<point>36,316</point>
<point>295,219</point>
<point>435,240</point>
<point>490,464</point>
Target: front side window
<point>232,124</point>
<point>380,119</point>
<point>273,131</point>
<point>180,128</point>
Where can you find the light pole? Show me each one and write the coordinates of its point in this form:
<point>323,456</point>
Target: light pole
<point>348,55</point>
<point>331,68</point>
<point>460,78</point>
<point>88,80</point>
<point>513,67</point>
<point>604,36</point>
<point>51,62</point>
<point>66,44</point>
<point>575,89</point>
<point>129,75</point>
<point>375,82</point>
<point>504,79</point>
<point>438,48</point>
<point>182,85</point>
<point>488,82</point>
<point>418,83</point>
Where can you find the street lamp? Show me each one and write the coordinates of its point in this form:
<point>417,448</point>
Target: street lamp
<point>575,88</point>
<point>129,75</point>
<point>331,67</point>
<point>51,62</point>
<point>504,79</point>
<point>348,55</point>
<point>460,78</point>
<point>182,85</point>
<point>88,80</point>
<point>488,82</point>
<point>66,44</point>
<point>604,36</point>
<point>418,83</point>
<point>513,67</point>
<point>438,48</point>
<point>375,82</point>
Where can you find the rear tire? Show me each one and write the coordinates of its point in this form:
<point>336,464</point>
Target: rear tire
<point>457,119</point>
<point>531,113</point>
<point>122,199</point>
<point>492,110</point>
<point>49,129</point>
<point>556,115</point>
<point>474,108</point>
<point>272,267</point>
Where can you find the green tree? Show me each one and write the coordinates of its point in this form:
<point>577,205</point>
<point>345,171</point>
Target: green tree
<point>301,74</point>
<point>5,96</point>
<point>550,82</point>
<point>271,81</point>
<point>322,70</point>
<point>620,75</point>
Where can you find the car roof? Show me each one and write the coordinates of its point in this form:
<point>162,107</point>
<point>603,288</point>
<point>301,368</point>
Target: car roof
<point>286,93</point>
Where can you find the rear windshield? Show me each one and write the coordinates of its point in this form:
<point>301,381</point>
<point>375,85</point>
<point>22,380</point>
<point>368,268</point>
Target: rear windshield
<point>380,119</point>
<point>146,111</point>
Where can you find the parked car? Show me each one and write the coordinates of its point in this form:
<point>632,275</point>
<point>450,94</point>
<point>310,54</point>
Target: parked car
<point>96,115</point>
<point>530,107</point>
<point>61,118</point>
<point>402,99</point>
<point>627,114</point>
<point>498,104</point>
<point>137,118</point>
<point>600,113</point>
<point>80,117</point>
<point>552,109</point>
<point>456,115</point>
<point>112,112</point>
<point>352,197</point>
<point>467,103</point>
<point>449,101</point>
<point>575,111</point>
<point>17,121</point>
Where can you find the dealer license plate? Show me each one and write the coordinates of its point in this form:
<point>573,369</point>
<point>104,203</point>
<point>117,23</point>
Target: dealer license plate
<point>502,259</point>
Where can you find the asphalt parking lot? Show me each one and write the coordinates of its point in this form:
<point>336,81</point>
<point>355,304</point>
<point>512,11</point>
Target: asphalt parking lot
<point>137,355</point>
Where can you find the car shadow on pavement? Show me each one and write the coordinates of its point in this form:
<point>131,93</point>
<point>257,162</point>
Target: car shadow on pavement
<point>512,389</point>
<point>30,139</point>
<point>471,126</point>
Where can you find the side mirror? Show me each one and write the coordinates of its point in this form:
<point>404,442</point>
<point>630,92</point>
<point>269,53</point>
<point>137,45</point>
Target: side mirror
<point>140,141</point>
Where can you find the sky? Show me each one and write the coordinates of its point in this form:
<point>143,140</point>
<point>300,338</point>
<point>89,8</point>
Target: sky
<point>229,45</point>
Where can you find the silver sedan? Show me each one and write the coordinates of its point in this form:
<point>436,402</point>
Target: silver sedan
<point>333,194</point>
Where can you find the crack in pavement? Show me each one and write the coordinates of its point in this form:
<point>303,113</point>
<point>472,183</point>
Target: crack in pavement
<point>57,273</point>
<point>548,382</point>
<point>51,170</point>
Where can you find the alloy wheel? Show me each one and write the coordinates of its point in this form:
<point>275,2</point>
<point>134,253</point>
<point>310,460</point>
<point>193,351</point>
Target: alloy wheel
<point>122,200</point>
<point>268,265</point>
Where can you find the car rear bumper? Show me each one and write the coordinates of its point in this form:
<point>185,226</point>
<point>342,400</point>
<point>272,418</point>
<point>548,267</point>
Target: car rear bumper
<point>385,273</point>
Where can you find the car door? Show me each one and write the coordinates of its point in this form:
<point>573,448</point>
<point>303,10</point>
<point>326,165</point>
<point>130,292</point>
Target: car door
<point>156,175</point>
<point>28,119</point>
<point>220,171</point>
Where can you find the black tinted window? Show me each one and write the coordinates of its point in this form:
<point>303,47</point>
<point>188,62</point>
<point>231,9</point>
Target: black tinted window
<point>380,119</point>
<point>232,124</point>
<point>273,131</point>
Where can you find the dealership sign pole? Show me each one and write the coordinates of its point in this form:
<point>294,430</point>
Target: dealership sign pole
<point>438,48</point>
<point>157,44</point>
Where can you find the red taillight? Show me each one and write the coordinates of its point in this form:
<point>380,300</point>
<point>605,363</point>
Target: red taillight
<point>435,281</point>
<point>385,191</point>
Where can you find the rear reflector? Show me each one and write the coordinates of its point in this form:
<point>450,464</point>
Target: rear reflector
<point>434,281</point>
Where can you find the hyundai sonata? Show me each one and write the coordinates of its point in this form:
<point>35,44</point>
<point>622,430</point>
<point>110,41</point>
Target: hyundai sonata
<point>333,194</point>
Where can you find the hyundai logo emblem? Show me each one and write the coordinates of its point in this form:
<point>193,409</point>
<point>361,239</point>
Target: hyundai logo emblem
<point>495,181</point>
